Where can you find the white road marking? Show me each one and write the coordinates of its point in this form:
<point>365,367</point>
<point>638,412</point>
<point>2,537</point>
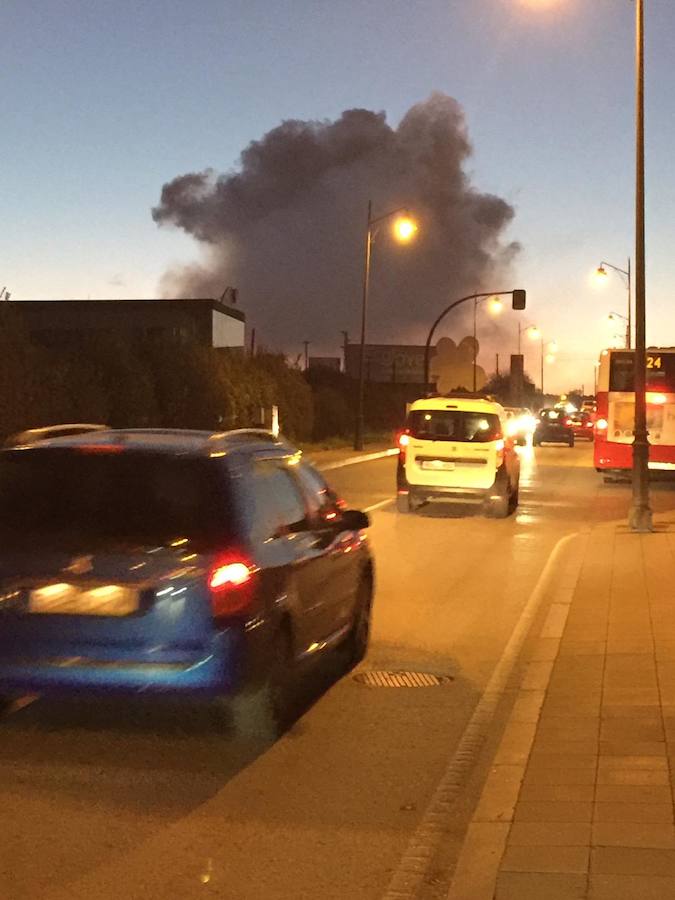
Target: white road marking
<point>378,505</point>
<point>409,875</point>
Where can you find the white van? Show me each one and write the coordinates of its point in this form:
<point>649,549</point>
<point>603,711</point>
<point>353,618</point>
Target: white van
<point>457,448</point>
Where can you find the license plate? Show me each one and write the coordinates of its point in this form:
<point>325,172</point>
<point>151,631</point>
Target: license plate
<point>439,465</point>
<point>76,600</point>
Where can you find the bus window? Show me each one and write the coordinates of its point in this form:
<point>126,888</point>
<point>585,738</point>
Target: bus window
<point>660,371</point>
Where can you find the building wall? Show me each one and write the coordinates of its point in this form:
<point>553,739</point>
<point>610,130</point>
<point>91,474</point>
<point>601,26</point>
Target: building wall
<point>226,330</point>
<point>57,322</point>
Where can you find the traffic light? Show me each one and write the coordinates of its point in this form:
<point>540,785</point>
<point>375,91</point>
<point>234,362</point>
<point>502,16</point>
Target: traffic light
<point>518,299</point>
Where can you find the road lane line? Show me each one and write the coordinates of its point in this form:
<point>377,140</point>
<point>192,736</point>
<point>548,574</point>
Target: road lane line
<point>414,865</point>
<point>354,460</point>
<point>378,505</point>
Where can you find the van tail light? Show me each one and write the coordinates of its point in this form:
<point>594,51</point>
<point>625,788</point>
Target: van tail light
<point>232,584</point>
<point>499,447</point>
<point>403,441</point>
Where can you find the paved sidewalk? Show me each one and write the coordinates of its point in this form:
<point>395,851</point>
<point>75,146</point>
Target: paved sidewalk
<point>579,800</point>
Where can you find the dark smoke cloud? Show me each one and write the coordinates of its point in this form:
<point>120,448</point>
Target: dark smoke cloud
<point>287,228</point>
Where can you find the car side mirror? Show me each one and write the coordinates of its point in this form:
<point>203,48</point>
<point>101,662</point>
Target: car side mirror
<point>354,519</point>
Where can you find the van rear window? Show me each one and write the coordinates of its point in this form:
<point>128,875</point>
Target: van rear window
<point>454,425</point>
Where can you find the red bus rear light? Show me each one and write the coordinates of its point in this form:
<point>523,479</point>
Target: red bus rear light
<point>231,583</point>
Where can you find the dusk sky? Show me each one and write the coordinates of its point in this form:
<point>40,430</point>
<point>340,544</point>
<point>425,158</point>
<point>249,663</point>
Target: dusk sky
<point>102,103</point>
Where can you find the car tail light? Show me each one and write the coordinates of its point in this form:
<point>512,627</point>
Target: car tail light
<point>589,424</point>
<point>231,582</point>
<point>601,425</point>
<point>403,441</point>
<point>567,422</point>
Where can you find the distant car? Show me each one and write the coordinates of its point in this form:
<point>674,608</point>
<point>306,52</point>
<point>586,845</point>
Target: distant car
<point>582,425</point>
<point>50,431</point>
<point>554,426</point>
<point>521,424</point>
<point>457,448</point>
<point>180,562</point>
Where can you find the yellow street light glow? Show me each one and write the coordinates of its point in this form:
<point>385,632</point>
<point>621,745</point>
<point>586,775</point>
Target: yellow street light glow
<point>550,358</point>
<point>495,306</point>
<point>552,347</point>
<point>533,333</point>
<point>404,229</point>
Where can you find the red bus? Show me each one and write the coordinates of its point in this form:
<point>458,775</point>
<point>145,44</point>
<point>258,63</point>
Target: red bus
<point>613,452</point>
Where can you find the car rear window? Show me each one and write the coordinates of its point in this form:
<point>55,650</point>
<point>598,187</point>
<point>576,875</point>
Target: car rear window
<point>79,499</point>
<point>454,425</point>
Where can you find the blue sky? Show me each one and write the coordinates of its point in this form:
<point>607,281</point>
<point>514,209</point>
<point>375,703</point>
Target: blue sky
<point>101,103</point>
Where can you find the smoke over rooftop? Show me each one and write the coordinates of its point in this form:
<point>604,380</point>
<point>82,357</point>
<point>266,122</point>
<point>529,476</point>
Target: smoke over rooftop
<point>287,227</point>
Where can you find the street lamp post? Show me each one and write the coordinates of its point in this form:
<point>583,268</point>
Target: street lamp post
<point>518,301</point>
<point>640,516</point>
<point>496,305</point>
<point>406,229</point>
<point>536,334</point>
<point>602,273</point>
<point>613,316</point>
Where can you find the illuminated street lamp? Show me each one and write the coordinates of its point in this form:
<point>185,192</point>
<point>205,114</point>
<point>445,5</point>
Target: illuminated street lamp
<point>601,276</point>
<point>404,230</point>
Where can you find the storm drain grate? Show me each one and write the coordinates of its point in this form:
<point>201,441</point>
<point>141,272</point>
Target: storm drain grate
<point>401,679</point>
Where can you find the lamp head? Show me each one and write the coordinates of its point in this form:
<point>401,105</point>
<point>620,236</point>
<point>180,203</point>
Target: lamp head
<point>404,229</point>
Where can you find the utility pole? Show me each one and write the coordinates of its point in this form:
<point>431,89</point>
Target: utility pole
<point>497,362</point>
<point>345,344</point>
<point>306,346</point>
<point>253,342</point>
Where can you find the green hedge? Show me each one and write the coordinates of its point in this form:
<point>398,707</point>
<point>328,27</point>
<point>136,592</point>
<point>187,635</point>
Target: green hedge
<point>155,383</point>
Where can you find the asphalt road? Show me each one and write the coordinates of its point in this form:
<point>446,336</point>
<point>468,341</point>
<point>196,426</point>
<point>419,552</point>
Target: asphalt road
<point>155,801</point>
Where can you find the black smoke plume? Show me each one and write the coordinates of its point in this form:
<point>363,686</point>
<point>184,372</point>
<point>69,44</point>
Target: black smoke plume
<point>287,227</point>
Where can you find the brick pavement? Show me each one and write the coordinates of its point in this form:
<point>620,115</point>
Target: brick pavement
<point>579,800</point>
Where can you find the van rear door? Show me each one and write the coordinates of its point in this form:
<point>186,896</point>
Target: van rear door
<point>453,447</point>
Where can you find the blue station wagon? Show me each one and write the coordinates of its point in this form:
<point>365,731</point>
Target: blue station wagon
<point>185,562</point>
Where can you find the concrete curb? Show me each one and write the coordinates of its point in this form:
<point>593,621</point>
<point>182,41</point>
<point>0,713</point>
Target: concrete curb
<point>409,876</point>
<point>355,460</point>
<point>475,876</point>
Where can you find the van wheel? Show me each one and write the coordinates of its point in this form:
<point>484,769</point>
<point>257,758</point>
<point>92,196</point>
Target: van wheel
<point>263,713</point>
<point>407,503</point>
<point>414,502</point>
<point>402,503</point>
<point>499,505</point>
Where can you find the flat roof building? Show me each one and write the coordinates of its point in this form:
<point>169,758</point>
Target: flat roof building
<point>54,323</point>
